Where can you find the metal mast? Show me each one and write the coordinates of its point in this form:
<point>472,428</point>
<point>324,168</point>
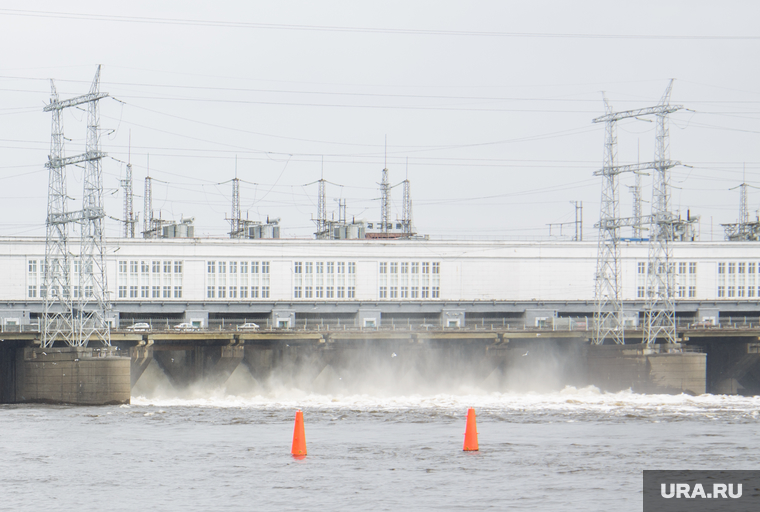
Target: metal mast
<point>407,209</point>
<point>236,222</point>
<point>148,206</point>
<point>608,314</point>
<point>385,202</point>
<point>660,311</point>
<point>322,210</point>
<point>62,320</point>
<point>636,191</point>
<point>129,212</point>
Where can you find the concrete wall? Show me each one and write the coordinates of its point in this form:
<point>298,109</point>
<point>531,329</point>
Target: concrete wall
<point>81,376</point>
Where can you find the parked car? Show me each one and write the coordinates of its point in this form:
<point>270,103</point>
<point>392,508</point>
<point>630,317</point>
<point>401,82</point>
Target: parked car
<point>140,326</point>
<point>248,326</point>
<point>185,326</point>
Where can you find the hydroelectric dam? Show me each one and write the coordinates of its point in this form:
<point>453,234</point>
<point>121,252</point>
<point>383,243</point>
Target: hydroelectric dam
<point>424,358</point>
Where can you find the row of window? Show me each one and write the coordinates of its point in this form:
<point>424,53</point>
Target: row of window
<point>149,292</point>
<point>406,267</point>
<point>407,292</point>
<point>148,267</point>
<point>737,291</point>
<point>680,267</point>
<point>681,291</point>
<point>324,267</point>
<point>237,292</point>
<point>32,292</point>
<point>237,267</point>
<point>740,267</point>
<point>324,292</point>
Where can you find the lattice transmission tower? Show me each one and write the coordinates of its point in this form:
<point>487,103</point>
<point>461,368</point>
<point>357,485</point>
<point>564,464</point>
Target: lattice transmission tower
<point>660,310</point>
<point>609,315</point>
<point>75,316</point>
<point>385,202</point>
<point>129,211</point>
<point>406,218</point>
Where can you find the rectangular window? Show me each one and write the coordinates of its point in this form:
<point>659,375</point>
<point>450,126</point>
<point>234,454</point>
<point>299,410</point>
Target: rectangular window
<point>122,267</point>
<point>144,267</point>
<point>351,267</point>
<point>383,292</point>
<point>425,267</point>
<point>383,267</point>
<point>394,292</point>
<point>721,291</point>
<point>436,268</point>
<point>167,292</point>
<point>144,292</point>
<point>682,267</point>
<point>405,268</point>
<point>693,267</point>
<point>320,267</point>
<point>243,267</point>
<point>640,291</point>
<point>167,267</point>
<point>88,291</point>
<point>404,292</point>
<point>750,291</point>
<point>394,267</point>
<point>233,267</point>
<point>415,267</point>
<point>32,292</point>
<point>721,268</point>
<point>330,267</point>
<point>211,267</point>
<point>309,267</point>
<point>264,292</point>
<point>341,267</point>
<point>351,292</point>
<point>750,268</point>
<point>264,267</point>
<point>415,292</point>
<point>425,292</point>
<point>330,292</point>
<point>133,292</point>
<point>731,291</point>
<point>233,292</point>
<point>732,268</point>
<point>307,292</point>
<point>740,291</point>
<point>341,292</point>
<point>122,292</point>
<point>133,267</point>
<point>32,266</point>
<point>222,267</point>
<point>210,292</point>
<point>177,267</point>
<point>255,292</point>
<point>255,267</point>
<point>692,291</point>
<point>681,291</point>
<point>221,292</point>
<point>320,292</point>
<point>177,292</point>
<point>156,266</point>
<point>436,292</point>
<point>243,292</point>
<point>742,267</point>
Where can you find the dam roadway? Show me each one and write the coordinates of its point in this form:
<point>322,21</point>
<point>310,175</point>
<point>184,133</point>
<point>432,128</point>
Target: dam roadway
<point>720,359</point>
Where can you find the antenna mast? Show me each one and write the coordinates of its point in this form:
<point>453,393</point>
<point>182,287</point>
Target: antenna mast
<point>129,212</point>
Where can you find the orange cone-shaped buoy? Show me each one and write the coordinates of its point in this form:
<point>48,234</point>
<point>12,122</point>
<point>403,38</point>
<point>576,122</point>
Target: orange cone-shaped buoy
<point>471,432</point>
<point>299,438</point>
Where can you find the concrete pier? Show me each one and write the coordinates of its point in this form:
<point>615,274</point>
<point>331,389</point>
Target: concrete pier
<point>72,375</point>
<point>647,369</point>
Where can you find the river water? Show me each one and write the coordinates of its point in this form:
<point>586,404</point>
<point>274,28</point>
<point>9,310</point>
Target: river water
<point>573,449</point>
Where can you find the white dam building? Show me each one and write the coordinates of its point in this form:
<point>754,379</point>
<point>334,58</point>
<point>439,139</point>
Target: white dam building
<point>372,282</point>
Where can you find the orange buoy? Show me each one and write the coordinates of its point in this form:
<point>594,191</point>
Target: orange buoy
<point>471,432</point>
<point>299,438</point>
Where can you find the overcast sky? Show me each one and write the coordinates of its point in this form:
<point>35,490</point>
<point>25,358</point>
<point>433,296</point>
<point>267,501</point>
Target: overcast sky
<point>490,103</point>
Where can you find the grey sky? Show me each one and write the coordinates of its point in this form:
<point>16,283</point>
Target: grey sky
<point>490,102</point>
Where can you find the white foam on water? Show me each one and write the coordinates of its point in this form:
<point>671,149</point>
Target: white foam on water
<point>568,400</point>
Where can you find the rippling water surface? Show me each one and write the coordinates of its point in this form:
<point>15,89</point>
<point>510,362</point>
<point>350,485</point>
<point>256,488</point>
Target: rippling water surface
<point>576,449</point>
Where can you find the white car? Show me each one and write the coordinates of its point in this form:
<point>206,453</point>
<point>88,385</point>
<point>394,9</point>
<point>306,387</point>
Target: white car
<point>248,326</point>
<point>185,326</point>
<point>141,326</point>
